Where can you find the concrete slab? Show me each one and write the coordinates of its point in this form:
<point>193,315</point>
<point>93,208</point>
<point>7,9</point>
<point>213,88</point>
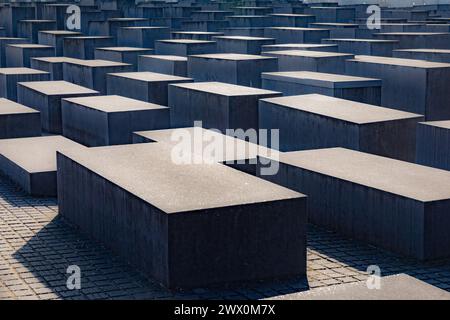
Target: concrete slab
<point>35,174</point>
<point>4,41</point>
<point>55,38</point>
<point>46,96</point>
<point>122,54</point>
<point>9,77</point>
<point>109,120</point>
<point>244,32</point>
<point>301,46</point>
<point>428,40</point>
<point>220,205</point>
<point>52,65</point>
<point>167,64</point>
<point>248,21</point>
<point>195,35</point>
<point>374,47</point>
<point>292,20</point>
<point>30,28</point>
<point>433,144</point>
<point>240,69</point>
<point>365,90</point>
<point>19,55</point>
<point>340,30</point>
<point>240,44</point>
<point>297,35</point>
<point>435,55</point>
<point>141,37</point>
<point>83,47</point>
<point>184,47</point>
<point>17,121</point>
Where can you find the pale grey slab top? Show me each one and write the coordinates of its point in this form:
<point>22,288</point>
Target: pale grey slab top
<point>446,51</point>
<point>29,46</point>
<point>411,34</point>
<point>123,49</point>
<point>165,57</point>
<point>21,70</point>
<point>441,124</point>
<point>335,24</point>
<point>145,27</point>
<point>209,33</point>
<point>11,107</point>
<point>36,154</point>
<point>57,88</point>
<point>402,178</point>
<point>361,40</point>
<point>228,148</point>
<point>89,37</point>
<point>293,15</point>
<point>113,103</point>
<point>60,32</point>
<point>400,62</point>
<point>297,29</point>
<point>97,63</point>
<point>231,56</point>
<point>299,46</point>
<point>346,110</point>
<point>185,41</point>
<point>308,54</point>
<point>395,287</point>
<point>319,79</point>
<point>149,76</point>
<point>243,38</point>
<point>149,172</point>
<point>224,89</point>
<point>56,59</point>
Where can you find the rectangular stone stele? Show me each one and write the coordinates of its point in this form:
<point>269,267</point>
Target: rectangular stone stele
<point>218,105</point>
<point>9,77</point>
<point>304,60</point>
<point>411,85</point>
<point>53,65</point>
<point>45,96</point>
<point>19,55</point>
<point>197,229</point>
<point>301,46</point>
<point>435,55</point>
<point>184,47</point>
<point>433,144</point>
<point>18,121</point>
<point>240,44</point>
<point>31,162</point>
<point>146,86</point>
<point>122,54</point>
<point>167,64</point>
<point>240,69</point>
<point>365,90</point>
<point>316,121</point>
<point>395,205</point>
<point>110,120</point>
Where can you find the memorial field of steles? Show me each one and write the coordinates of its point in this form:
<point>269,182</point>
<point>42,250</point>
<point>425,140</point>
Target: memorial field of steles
<point>225,149</point>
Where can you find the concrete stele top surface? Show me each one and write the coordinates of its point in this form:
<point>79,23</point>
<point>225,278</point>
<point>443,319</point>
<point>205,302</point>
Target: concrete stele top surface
<point>29,46</point>
<point>299,45</point>
<point>21,70</point>
<point>395,287</point>
<point>148,172</point>
<point>60,32</point>
<point>308,53</point>
<point>36,154</point>
<point>56,59</point>
<point>341,109</point>
<point>242,38</point>
<point>165,57</point>
<point>89,37</point>
<point>114,103</point>
<point>440,124</point>
<point>319,79</point>
<point>37,21</point>
<point>297,28</point>
<point>56,88</point>
<point>233,148</point>
<point>400,62</point>
<point>209,33</point>
<point>97,63</point>
<point>443,51</point>
<point>362,40</point>
<point>224,89</point>
<point>12,38</point>
<point>402,178</point>
<point>231,56</point>
<point>411,34</point>
<point>291,15</point>
<point>123,49</point>
<point>185,41</point>
<point>144,27</point>
<point>149,76</point>
<point>335,24</point>
<point>11,107</point>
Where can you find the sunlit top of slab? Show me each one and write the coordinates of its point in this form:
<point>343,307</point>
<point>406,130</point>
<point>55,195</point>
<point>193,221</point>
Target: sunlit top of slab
<point>400,62</point>
<point>56,59</point>
<point>11,107</point>
<point>166,57</point>
<point>224,89</point>
<point>243,38</point>
<point>57,88</point>
<point>308,53</point>
<point>29,46</point>
<point>150,76</point>
<point>411,34</point>
<point>361,40</point>
<point>440,124</point>
<point>20,70</point>
<point>185,41</point>
<point>89,37</point>
<point>446,51</point>
<point>297,29</point>
<point>98,63</point>
<point>231,56</point>
<point>60,32</point>
<point>123,49</point>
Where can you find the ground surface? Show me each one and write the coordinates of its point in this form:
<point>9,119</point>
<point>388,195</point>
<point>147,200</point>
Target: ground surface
<point>36,248</point>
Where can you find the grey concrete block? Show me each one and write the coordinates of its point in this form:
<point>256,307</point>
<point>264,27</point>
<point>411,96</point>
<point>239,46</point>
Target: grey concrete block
<point>292,20</point>
<point>184,47</point>
<point>315,121</point>
<point>31,162</point>
<point>55,38</point>
<point>83,47</point>
<point>301,46</point>
<point>218,105</point>
<point>341,30</point>
<point>239,44</point>
<point>17,121</point>
<point>19,55</point>
<point>195,35</point>
<point>9,77</point>
<point>11,15</point>
<point>422,85</point>
<point>433,144</point>
<point>204,25</point>
<point>332,14</point>
<point>46,96</point>
<point>167,64</point>
<point>398,206</point>
<point>240,69</point>
<point>423,40</point>
<point>370,47</point>
<point>316,61</point>
<point>297,35</point>
<point>435,55</point>
<point>365,90</point>
<point>122,54</point>
<point>210,14</point>
<point>248,21</point>
<point>52,65</point>
<point>30,28</point>
<point>4,41</point>
<point>141,37</point>
<point>92,73</point>
<point>213,229</point>
<point>146,86</point>
<point>109,120</point>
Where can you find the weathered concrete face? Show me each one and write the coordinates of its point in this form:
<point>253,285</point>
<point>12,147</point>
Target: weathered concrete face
<point>427,40</point>
<point>84,47</point>
<point>424,82</point>
<point>221,210</point>
<point>19,55</point>
<point>141,37</point>
<point>36,174</point>
<point>244,32</point>
<point>434,55</point>
<point>240,69</point>
<point>46,97</point>
<point>30,28</point>
<point>404,209</point>
<point>218,105</point>
<point>292,20</point>
<point>17,121</point>
<point>332,14</point>
<point>300,46</point>
<point>433,144</point>
<point>296,35</point>
<point>184,47</point>
<point>373,47</point>
<point>303,60</point>
<point>167,64</point>
<point>4,41</point>
<point>341,30</point>
<point>9,77</point>
<point>243,45</point>
<point>146,86</point>
<point>316,121</point>
<point>109,120</point>
<point>205,26</point>
<point>55,39</point>
<point>11,15</point>
<point>122,54</point>
<point>196,35</point>
<point>52,65</point>
<point>365,90</point>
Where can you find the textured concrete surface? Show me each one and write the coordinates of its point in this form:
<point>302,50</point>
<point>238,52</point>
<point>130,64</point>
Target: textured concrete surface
<point>17,120</point>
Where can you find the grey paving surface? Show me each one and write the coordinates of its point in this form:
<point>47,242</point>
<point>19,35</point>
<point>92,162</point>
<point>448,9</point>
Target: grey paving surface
<point>36,248</point>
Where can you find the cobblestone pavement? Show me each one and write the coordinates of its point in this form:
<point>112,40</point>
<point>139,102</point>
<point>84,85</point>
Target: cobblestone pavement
<point>36,247</point>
